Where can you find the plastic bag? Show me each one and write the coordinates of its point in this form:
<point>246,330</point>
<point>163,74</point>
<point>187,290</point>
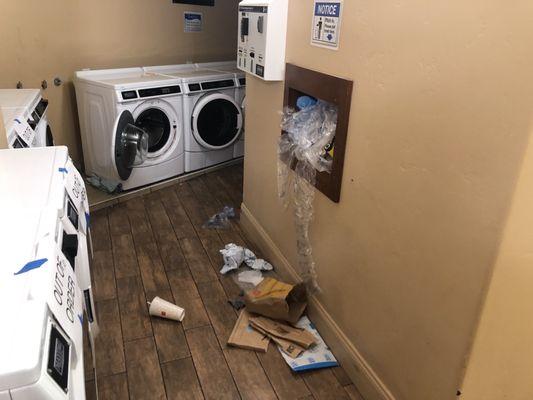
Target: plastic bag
<point>309,134</point>
<point>221,219</point>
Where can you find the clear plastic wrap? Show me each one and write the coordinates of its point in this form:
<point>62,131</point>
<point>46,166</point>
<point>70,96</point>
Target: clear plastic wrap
<point>309,133</point>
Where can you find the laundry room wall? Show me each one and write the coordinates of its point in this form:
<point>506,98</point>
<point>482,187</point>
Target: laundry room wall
<point>441,116</point>
<point>46,39</point>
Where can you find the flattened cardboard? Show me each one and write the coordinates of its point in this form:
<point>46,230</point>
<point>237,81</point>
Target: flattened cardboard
<point>289,348</point>
<point>277,300</point>
<point>245,337</point>
<point>286,332</point>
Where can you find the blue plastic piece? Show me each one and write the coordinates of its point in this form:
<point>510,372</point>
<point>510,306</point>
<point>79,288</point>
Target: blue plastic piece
<point>305,101</point>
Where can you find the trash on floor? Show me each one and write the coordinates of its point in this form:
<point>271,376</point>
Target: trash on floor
<point>222,219</point>
<point>234,256</point>
<point>165,309</point>
<point>245,337</point>
<point>251,276</point>
<point>277,300</point>
<point>317,356</point>
<point>284,331</point>
<point>105,185</point>
<point>238,302</point>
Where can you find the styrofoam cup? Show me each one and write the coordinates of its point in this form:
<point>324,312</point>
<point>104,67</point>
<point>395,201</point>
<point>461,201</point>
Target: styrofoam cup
<point>165,309</point>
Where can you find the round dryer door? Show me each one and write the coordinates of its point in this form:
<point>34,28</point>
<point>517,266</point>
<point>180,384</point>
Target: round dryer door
<point>216,121</point>
<point>131,145</point>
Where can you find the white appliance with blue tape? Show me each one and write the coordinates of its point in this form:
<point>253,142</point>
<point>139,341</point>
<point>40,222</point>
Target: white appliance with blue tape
<point>44,275</point>
<point>25,115</point>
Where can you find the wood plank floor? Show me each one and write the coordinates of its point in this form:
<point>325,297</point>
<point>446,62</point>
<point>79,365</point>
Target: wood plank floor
<point>155,245</point>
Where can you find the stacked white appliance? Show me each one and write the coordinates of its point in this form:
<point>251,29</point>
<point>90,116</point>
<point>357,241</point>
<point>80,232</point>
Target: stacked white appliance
<point>212,115</point>
<point>24,112</point>
<point>45,282</point>
<point>131,125</point>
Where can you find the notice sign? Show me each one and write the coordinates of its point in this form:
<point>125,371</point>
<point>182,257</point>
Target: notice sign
<point>192,22</point>
<point>326,27</point>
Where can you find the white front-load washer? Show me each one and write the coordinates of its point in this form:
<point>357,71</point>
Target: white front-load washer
<point>131,125</point>
<point>25,114</point>
<point>212,116</point>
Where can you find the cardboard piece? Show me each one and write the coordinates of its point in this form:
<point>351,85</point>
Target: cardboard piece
<point>317,356</point>
<point>283,331</point>
<point>289,348</point>
<point>277,300</point>
<point>245,337</point>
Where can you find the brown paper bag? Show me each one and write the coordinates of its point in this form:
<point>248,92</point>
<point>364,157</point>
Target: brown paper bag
<point>245,337</point>
<point>286,332</point>
<point>277,300</point>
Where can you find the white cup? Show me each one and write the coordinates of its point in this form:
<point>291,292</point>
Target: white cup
<point>165,309</point>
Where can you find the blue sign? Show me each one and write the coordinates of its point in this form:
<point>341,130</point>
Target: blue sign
<point>328,10</point>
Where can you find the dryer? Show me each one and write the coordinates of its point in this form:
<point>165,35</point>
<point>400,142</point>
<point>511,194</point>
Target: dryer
<point>131,125</point>
<point>240,94</point>
<point>213,118</point>
<point>25,114</point>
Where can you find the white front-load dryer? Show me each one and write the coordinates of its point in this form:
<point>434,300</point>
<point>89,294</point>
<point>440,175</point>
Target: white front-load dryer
<point>213,119</point>
<point>212,113</point>
<point>131,124</point>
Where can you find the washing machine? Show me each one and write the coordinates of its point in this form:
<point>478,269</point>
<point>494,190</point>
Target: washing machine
<point>213,118</point>
<point>131,125</point>
<point>26,118</point>
<point>44,258</point>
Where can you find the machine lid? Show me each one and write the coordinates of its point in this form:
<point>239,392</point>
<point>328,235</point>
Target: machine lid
<point>216,121</point>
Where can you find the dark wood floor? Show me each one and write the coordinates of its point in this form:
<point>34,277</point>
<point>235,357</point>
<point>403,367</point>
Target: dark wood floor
<point>155,245</point>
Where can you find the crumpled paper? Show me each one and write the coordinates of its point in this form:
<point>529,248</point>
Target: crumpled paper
<point>253,277</point>
<point>234,256</point>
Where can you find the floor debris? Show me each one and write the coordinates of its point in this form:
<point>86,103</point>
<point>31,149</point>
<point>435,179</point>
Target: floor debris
<point>253,277</point>
<point>245,337</point>
<point>165,309</point>
<point>234,256</point>
<point>222,219</point>
<point>277,300</point>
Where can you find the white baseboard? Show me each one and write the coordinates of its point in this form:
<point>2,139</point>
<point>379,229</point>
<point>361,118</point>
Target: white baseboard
<point>363,376</point>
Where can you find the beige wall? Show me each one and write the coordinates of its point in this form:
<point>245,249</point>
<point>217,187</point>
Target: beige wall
<point>44,39</point>
<point>440,118</point>
<point>501,365</point>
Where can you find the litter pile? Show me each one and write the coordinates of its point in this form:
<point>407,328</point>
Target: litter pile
<point>274,313</point>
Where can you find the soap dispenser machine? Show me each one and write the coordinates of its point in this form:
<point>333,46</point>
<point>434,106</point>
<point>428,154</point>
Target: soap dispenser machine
<point>262,37</point>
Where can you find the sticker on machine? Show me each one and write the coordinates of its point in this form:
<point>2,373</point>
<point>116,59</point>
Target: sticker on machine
<point>192,21</point>
<point>326,29</point>
<point>64,299</point>
<point>24,131</point>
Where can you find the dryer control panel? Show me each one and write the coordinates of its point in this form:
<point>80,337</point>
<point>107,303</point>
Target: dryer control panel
<point>262,37</point>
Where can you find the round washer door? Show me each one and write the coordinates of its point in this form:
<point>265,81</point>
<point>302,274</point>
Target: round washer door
<point>157,125</point>
<point>216,121</point>
<point>131,145</point>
